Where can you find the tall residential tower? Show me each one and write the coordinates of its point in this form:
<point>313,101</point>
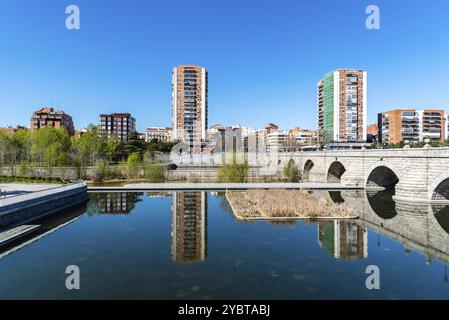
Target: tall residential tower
<point>342,106</point>
<point>189,103</point>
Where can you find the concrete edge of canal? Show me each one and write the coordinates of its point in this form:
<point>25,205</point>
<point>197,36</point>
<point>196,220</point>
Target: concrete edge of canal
<point>220,186</point>
<point>28,207</point>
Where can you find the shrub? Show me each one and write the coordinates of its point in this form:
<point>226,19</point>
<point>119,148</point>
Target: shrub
<point>101,171</point>
<point>233,173</point>
<point>155,173</point>
<point>23,168</point>
<point>291,172</point>
<point>133,165</point>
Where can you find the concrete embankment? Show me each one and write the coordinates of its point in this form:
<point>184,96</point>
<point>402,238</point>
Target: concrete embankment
<point>34,205</point>
<point>221,186</point>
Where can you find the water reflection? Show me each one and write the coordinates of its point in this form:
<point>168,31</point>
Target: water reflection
<point>343,240</point>
<point>423,228</point>
<point>47,226</point>
<point>189,227</point>
<point>116,203</point>
<point>382,203</point>
<point>420,227</point>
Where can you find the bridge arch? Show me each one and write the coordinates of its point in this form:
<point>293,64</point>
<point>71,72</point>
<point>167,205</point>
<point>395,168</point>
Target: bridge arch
<point>335,172</point>
<point>439,190</point>
<point>307,168</point>
<point>383,176</point>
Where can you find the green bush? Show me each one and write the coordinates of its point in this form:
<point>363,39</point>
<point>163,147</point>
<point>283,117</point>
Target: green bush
<point>133,165</point>
<point>233,173</point>
<point>101,172</point>
<point>291,172</point>
<point>155,173</point>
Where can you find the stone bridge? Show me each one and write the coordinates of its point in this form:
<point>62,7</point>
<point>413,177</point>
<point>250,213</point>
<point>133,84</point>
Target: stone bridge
<point>420,227</point>
<point>416,175</point>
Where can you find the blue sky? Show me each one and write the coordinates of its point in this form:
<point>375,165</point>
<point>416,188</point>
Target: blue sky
<point>264,57</point>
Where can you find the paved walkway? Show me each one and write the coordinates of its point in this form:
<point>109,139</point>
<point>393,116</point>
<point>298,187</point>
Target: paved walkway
<point>221,186</point>
<point>16,189</point>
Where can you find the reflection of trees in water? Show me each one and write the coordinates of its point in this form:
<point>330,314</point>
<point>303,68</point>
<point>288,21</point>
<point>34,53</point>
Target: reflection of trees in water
<point>113,203</point>
<point>279,224</point>
<point>382,203</point>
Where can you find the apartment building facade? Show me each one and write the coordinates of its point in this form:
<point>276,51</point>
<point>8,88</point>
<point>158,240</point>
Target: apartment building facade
<point>163,134</point>
<point>432,125</point>
<point>118,124</point>
<point>342,106</point>
<point>411,126</point>
<point>303,137</point>
<point>189,103</point>
<point>48,117</point>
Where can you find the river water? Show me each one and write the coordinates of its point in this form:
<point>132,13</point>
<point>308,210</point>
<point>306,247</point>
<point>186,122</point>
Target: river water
<point>189,245</point>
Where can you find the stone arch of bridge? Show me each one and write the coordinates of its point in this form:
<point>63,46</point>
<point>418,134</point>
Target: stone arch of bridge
<point>335,172</point>
<point>308,166</point>
<point>382,175</point>
<point>439,189</point>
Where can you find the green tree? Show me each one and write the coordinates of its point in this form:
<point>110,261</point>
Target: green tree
<point>291,172</point>
<point>135,145</point>
<point>134,165</point>
<point>50,147</point>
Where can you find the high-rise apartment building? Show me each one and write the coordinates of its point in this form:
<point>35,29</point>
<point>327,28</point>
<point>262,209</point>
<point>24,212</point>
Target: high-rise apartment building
<point>190,90</point>
<point>410,125</point>
<point>48,117</point>
<point>119,124</point>
<point>342,106</point>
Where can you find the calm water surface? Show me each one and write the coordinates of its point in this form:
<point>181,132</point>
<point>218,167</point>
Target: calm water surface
<point>188,245</point>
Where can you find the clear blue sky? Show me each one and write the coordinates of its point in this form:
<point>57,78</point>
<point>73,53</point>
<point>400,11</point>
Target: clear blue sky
<point>264,57</point>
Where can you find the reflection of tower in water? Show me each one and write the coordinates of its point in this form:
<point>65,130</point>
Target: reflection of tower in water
<point>189,227</point>
<point>343,239</point>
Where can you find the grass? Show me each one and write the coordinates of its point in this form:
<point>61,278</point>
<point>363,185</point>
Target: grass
<point>31,180</point>
<point>298,204</point>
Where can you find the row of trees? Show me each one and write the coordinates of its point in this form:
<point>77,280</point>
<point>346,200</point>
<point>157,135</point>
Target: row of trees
<point>53,147</point>
<point>402,144</point>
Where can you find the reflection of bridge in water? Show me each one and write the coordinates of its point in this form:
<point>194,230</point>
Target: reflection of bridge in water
<point>420,227</point>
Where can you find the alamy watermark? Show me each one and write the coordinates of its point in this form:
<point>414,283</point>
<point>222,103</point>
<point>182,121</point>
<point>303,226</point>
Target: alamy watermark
<point>373,20</point>
<point>73,281</point>
<point>373,280</point>
<point>73,21</point>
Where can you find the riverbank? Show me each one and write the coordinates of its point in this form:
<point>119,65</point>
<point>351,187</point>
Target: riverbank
<point>31,202</point>
<point>221,186</point>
